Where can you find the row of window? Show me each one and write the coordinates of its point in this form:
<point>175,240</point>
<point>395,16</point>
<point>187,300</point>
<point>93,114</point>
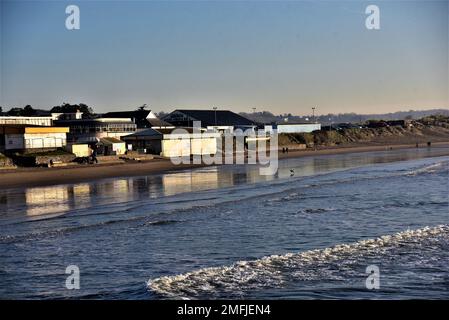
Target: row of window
<point>108,128</point>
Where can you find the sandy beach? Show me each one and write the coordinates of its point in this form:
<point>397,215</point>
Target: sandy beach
<point>32,177</point>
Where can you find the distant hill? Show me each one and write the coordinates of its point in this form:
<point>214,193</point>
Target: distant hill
<point>268,117</point>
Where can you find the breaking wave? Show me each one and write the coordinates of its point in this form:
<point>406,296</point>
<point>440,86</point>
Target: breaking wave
<point>433,168</point>
<point>273,271</point>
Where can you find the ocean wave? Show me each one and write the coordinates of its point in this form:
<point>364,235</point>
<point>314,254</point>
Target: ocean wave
<point>433,168</point>
<point>160,222</point>
<point>275,270</point>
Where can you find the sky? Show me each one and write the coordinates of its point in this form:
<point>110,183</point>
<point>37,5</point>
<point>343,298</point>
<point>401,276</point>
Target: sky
<point>279,56</point>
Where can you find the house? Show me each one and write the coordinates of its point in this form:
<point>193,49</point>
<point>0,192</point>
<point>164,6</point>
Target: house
<point>292,127</point>
<point>221,120</point>
<point>142,119</point>
<point>167,143</point>
<point>21,137</point>
<point>92,130</point>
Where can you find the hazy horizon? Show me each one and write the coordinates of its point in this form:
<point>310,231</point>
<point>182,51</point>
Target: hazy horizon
<point>281,57</point>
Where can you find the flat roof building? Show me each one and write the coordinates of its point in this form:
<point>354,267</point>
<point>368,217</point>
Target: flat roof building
<point>24,137</point>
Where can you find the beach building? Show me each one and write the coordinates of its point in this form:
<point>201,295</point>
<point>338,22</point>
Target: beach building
<point>292,127</point>
<point>91,131</point>
<point>21,137</point>
<point>142,118</point>
<point>111,146</point>
<point>31,121</point>
<point>43,118</point>
<point>220,120</point>
<point>79,150</point>
<point>167,144</point>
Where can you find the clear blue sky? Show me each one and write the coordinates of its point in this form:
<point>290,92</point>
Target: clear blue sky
<point>278,56</point>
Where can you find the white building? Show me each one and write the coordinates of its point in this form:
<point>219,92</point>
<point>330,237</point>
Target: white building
<point>23,137</point>
<point>292,127</point>
<point>167,143</point>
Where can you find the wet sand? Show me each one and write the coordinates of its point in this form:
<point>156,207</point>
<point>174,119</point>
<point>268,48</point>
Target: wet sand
<point>31,177</point>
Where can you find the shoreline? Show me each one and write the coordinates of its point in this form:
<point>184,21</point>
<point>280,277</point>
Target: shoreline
<point>35,177</point>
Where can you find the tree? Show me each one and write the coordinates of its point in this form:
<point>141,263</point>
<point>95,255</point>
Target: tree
<point>72,108</point>
<point>15,112</point>
<point>142,107</point>
<point>28,111</point>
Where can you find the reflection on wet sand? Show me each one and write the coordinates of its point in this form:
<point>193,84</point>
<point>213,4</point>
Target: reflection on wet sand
<point>189,181</point>
<point>48,200</point>
<point>41,202</point>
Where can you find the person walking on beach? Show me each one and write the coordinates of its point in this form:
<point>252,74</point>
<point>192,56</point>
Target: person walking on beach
<point>94,155</point>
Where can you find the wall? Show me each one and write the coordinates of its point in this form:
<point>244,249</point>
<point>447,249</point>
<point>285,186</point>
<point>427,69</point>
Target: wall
<point>119,148</point>
<point>204,146</point>
<point>14,142</point>
<point>80,150</point>
<point>45,140</point>
<point>188,146</point>
<point>34,141</point>
<point>175,147</point>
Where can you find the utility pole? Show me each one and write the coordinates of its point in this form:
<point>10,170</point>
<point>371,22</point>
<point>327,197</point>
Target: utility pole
<point>313,114</point>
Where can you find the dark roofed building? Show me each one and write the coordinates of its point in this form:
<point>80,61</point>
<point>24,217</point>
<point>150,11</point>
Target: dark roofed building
<point>219,119</point>
<point>142,118</point>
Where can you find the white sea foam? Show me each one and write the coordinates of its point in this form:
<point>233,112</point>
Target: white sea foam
<point>436,167</point>
<point>273,271</point>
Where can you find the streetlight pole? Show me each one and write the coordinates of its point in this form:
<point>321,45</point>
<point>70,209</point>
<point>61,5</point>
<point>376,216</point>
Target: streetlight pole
<point>215,115</point>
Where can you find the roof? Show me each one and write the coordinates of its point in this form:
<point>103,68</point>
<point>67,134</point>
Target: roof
<point>142,118</point>
<point>136,114</point>
<point>158,123</point>
<point>161,133</point>
<point>110,140</point>
<point>142,134</point>
<point>217,117</point>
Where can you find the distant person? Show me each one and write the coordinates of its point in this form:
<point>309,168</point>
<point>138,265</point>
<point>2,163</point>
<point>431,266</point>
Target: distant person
<point>286,149</point>
<point>429,143</point>
<point>94,156</point>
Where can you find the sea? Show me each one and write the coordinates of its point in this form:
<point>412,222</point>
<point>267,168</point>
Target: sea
<point>369,225</point>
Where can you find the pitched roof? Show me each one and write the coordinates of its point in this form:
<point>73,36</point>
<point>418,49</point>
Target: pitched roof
<point>144,133</point>
<point>155,122</point>
<point>110,140</point>
<point>223,117</point>
<point>127,114</point>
